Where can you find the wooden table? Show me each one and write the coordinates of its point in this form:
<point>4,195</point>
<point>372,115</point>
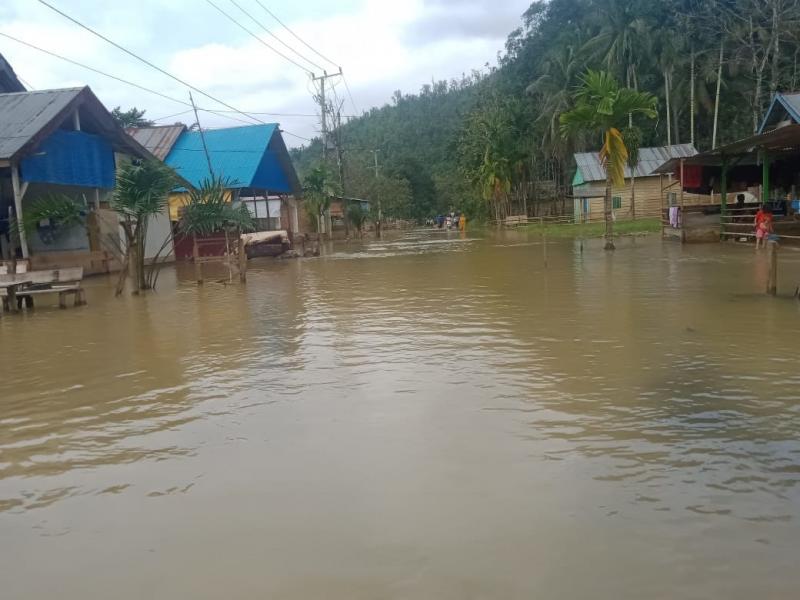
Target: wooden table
<point>13,284</point>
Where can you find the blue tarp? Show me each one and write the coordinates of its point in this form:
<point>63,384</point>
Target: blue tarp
<point>71,158</point>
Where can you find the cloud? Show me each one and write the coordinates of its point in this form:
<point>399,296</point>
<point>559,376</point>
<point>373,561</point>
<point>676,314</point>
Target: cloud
<point>382,46</point>
<point>454,19</point>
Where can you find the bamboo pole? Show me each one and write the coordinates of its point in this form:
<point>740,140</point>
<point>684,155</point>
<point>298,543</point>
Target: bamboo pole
<point>242,261</point>
<point>772,281</point>
<point>198,269</point>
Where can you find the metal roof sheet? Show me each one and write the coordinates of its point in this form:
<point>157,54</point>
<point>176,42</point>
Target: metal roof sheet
<point>24,114</point>
<point>785,140</point>
<point>649,160</point>
<point>158,140</point>
<point>783,105</point>
<point>244,155</point>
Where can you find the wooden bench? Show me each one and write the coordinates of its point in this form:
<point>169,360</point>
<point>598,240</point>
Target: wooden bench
<point>64,282</point>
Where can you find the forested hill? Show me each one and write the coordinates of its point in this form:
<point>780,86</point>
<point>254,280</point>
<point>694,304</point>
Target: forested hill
<point>441,148</point>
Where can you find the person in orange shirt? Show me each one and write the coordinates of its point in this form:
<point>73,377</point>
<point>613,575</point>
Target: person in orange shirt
<point>763,225</point>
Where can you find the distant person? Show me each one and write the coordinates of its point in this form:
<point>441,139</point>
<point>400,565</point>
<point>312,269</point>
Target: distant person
<point>462,222</point>
<point>763,225</point>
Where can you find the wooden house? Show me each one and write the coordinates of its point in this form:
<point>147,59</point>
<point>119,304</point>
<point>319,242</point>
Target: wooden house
<point>588,185</point>
<point>61,142</point>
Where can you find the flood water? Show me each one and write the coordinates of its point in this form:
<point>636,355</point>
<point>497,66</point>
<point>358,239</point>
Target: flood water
<point>428,417</point>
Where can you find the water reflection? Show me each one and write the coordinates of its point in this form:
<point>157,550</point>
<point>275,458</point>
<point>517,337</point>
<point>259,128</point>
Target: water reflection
<point>389,415</point>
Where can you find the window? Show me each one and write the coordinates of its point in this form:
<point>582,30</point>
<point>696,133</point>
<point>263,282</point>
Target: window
<point>616,202</point>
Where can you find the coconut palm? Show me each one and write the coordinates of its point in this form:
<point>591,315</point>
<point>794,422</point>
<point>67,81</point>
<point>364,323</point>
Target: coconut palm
<point>601,106</point>
<point>208,212</point>
<point>142,192</point>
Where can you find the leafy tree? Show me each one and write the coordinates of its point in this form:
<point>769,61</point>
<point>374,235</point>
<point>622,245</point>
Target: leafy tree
<point>601,106</point>
<point>132,117</point>
<point>319,186</point>
<point>713,64</point>
<point>357,216</point>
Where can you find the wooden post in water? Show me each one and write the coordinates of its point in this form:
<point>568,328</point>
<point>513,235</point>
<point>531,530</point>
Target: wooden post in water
<point>198,272</point>
<point>772,281</point>
<point>242,261</point>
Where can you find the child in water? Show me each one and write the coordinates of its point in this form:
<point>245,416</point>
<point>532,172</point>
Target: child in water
<point>763,225</point>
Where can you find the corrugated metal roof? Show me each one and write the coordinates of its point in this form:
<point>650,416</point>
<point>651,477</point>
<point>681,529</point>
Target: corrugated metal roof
<point>792,102</point>
<point>240,154</point>
<point>649,160</point>
<point>24,114</point>
<point>783,104</point>
<point>158,140</point>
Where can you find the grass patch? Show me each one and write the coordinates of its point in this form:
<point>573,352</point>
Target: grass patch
<point>594,230</point>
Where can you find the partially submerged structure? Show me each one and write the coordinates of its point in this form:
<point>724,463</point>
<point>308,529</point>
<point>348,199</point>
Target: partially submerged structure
<point>588,185</point>
<point>62,142</point>
<point>737,178</point>
<point>253,160</point>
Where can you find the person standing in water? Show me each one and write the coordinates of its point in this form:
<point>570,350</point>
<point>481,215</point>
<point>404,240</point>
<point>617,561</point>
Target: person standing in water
<point>763,225</point>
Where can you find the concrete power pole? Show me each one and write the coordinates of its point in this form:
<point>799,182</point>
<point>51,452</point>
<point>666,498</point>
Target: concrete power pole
<point>340,163</point>
<point>379,225</point>
<point>323,105</point>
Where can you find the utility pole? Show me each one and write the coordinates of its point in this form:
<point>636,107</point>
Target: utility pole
<point>375,154</point>
<point>379,225</point>
<point>340,162</point>
<point>202,136</point>
<point>323,104</point>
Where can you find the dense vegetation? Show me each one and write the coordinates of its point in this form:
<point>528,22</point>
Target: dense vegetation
<point>713,65</point>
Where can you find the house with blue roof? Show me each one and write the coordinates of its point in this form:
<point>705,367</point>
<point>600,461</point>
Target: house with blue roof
<point>252,158</point>
<point>784,110</point>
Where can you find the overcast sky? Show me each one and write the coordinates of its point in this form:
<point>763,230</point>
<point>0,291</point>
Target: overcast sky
<point>382,45</point>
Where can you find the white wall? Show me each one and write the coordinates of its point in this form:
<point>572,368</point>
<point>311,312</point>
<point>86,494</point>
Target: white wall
<point>159,229</point>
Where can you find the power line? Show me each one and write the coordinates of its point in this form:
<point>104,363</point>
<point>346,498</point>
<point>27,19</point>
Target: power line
<point>268,32</point>
<point>347,87</point>
<point>145,61</point>
<point>76,63</point>
<point>297,136</point>
<point>172,116</point>
<point>115,78</point>
<point>301,40</point>
<point>30,87</point>
<point>237,23</point>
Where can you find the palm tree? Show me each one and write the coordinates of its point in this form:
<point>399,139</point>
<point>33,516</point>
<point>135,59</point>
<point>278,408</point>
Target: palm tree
<point>601,106</point>
<point>553,92</point>
<point>495,181</point>
<point>142,192</point>
<point>209,211</point>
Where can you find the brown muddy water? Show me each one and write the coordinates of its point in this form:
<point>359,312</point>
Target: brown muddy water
<point>430,417</point>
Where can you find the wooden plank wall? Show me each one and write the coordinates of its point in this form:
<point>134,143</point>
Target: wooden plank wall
<point>648,199</point>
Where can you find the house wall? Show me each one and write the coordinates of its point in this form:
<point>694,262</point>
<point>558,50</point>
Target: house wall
<point>648,199</point>
<point>159,230</point>
<point>71,239</point>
